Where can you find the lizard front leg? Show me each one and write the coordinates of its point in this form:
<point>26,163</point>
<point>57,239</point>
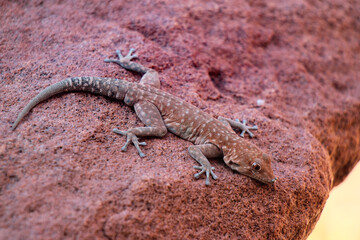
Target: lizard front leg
<point>237,124</point>
<point>200,153</point>
<point>155,127</point>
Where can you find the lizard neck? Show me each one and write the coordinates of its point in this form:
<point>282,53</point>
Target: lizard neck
<point>232,147</point>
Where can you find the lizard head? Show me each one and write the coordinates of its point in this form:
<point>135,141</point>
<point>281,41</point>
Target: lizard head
<point>252,162</point>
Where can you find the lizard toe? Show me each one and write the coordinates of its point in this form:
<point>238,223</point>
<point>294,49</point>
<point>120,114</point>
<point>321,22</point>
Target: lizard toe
<point>130,55</point>
<point>118,53</point>
<point>245,128</point>
<point>208,171</point>
<point>130,137</point>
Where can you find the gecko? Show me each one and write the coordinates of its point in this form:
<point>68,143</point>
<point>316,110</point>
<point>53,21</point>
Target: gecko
<point>162,112</point>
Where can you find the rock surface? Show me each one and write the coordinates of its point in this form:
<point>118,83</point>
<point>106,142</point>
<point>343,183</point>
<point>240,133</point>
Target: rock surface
<point>62,174</point>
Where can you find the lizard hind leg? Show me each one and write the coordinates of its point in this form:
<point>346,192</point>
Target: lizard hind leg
<point>155,127</point>
<point>126,62</point>
<point>200,153</point>
<point>150,77</point>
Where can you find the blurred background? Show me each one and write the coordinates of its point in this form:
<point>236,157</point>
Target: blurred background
<point>340,217</point>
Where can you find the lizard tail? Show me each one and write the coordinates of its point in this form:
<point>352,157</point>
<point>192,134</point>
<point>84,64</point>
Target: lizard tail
<point>48,92</point>
<point>113,88</point>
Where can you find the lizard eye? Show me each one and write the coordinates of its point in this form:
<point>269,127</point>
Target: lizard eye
<point>256,167</point>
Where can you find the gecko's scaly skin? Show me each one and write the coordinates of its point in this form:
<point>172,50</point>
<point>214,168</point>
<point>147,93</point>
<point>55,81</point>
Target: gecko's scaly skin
<point>162,112</point>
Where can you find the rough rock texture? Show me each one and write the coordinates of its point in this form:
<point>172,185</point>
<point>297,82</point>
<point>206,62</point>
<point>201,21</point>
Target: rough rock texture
<point>62,174</point>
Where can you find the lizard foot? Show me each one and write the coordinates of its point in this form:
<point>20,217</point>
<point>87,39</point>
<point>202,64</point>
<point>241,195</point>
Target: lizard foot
<point>130,137</point>
<point>207,171</point>
<point>245,128</point>
<point>130,56</point>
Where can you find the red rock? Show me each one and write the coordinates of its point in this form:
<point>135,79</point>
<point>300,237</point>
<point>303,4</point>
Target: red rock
<point>63,174</point>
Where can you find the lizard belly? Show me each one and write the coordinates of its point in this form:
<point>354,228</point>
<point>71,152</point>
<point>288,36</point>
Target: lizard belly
<point>180,117</point>
<point>188,128</point>
<point>184,131</point>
